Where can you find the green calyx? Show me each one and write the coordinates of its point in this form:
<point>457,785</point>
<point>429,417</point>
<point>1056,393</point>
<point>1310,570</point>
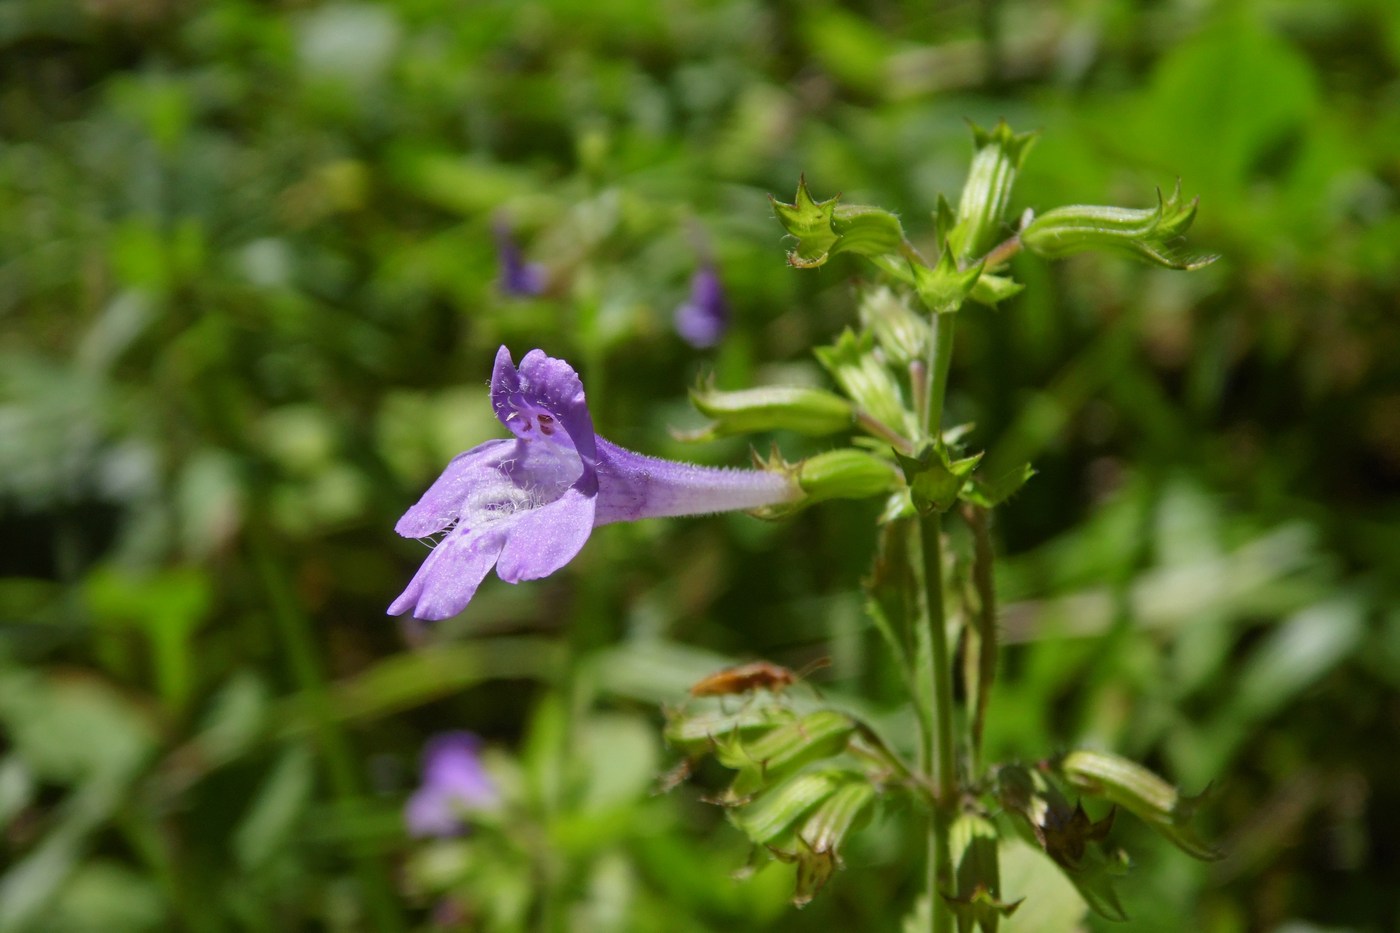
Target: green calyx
<point>808,411</point>
<point>945,287</point>
<point>845,474</point>
<point>1153,235</point>
<point>935,480</point>
<point>859,372</point>
<point>824,228</point>
<point>976,898</point>
<point>1142,793</point>
<point>986,195</point>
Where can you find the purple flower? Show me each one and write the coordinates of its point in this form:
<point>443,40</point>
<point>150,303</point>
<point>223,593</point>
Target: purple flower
<point>528,504</point>
<point>518,277</point>
<point>453,782</point>
<point>704,318</point>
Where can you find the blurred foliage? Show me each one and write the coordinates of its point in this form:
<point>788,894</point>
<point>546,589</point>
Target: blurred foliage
<point>247,309</point>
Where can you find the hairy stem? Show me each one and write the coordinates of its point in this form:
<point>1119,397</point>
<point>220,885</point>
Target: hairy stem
<point>1002,252</point>
<point>877,428</point>
<point>938,673</point>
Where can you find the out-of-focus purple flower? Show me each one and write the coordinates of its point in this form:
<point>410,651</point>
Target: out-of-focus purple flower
<point>454,783</point>
<point>704,317</point>
<point>528,504</point>
<point>518,277</point>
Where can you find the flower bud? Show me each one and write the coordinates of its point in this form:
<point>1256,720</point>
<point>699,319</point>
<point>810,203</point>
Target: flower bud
<point>824,228</point>
<point>1153,235</point>
<point>806,411</point>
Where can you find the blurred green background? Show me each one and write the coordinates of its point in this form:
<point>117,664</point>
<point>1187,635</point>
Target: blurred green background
<point>248,304</point>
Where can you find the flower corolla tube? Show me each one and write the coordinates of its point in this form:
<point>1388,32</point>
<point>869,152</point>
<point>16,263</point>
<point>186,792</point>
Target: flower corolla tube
<point>527,504</point>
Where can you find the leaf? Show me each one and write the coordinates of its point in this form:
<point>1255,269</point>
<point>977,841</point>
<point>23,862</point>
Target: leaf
<point>989,492</point>
<point>1236,84</point>
<point>271,817</point>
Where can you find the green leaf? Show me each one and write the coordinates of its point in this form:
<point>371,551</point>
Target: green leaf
<point>167,608</point>
<point>991,492</point>
<point>274,812</point>
<point>1219,101</point>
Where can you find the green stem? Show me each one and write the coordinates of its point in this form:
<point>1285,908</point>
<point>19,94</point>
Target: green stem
<point>940,358</point>
<point>877,428</point>
<point>1002,253</point>
<point>939,756</point>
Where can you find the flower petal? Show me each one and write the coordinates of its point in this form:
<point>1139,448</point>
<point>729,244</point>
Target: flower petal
<point>431,812</point>
<point>552,383</point>
<point>448,579</point>
<point>542,540</point>
<point>441,505</point>
<point>452,761</point>
<point>505,382</point>
<point>703,320</point>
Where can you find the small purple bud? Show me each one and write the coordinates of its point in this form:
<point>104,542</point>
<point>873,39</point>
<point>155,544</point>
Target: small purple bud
<point>454,782</point>
<point>518,277</point>
<point>704,318</point>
